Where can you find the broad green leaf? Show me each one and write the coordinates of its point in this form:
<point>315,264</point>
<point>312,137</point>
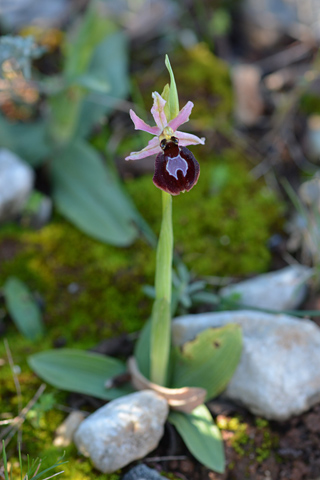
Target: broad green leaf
<point>22,308</point>
<point>28,140</point>
<point>142,350</point>
<point>79,371</point>
<point>209,360</point>
<point>64,113</point>
<point>94,28</point>
<point>109,62</point>
<point>89,196</point>
<point>201,436</point>
<point>94,84</point>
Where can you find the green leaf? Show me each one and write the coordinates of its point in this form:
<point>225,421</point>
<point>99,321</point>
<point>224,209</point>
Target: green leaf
<point>64,113</point>
<point>81,42</point>
<point>28,140</point>
<point>89,196</point>
<point>142,350</point>
<point>22,308</point>
<point>97,85</point>
<point>201,436</point>
<point>109,62</point>
<point>79,371</point>
<point>209,360</point>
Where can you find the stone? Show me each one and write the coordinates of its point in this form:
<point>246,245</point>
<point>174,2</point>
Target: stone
<point>16,182</point>
<point>278,375</point>
<point>249,103</point>
<point>266,22</point>
<point>142,472</point>
<point>122,431</point>
<point>16,14</point>
<point>65,432</point>
<point>283,289</point>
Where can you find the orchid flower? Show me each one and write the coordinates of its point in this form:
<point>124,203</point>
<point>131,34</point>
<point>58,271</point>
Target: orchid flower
<point>176,169</point>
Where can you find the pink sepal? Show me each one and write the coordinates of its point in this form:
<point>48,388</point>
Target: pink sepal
<point>139,124</point>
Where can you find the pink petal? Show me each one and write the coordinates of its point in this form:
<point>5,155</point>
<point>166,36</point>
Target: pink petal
<point>158,111</point>
<point>182,117</point>
<point>186,139</point>
<point>141,125</point>
<point>152,148</point>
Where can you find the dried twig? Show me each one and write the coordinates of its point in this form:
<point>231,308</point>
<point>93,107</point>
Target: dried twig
<point>18,420</point>
<point>15,379</point>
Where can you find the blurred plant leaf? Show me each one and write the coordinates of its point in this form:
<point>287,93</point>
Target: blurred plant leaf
<point>28,140</point>
<point>64,113</point>
<point>22,308</point>
<point>93,84</point>
<point>209,360</point>
<point>79,371</point>
<point>109,63</point>
<point>201,436</point>
<point>91,197</point>
<point>142,350</point>
<point>81,42</point>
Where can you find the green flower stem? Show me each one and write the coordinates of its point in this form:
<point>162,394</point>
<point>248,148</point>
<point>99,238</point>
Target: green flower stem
<point>160,341</point>
<point>161,313</point>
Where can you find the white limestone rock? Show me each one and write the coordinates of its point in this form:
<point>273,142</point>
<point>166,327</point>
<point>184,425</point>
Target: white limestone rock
<point>278,375</point>
<point>16,182</point>
<point>122,431</point>
<point>283,289</point>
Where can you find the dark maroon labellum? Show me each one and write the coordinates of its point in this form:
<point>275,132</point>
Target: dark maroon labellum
<point>176,169</point>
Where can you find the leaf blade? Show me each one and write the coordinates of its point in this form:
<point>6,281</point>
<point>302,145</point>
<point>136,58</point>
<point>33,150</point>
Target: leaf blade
<point>79,371</point>
<point>23,309</point>
<point>89,196</point>
<point>201,436</point>
<point>209,360</point>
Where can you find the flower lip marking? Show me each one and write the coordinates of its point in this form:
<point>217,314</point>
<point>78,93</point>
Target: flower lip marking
<point>173,158</point>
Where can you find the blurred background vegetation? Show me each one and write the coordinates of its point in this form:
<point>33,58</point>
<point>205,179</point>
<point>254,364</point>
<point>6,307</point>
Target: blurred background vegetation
<point>82,243</point>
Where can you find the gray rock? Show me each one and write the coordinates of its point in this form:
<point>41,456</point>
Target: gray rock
<point>16,182</point>
<point>284,289</point>
<point>122,431</point>
<point>16,14</point>
<point>278,375</point>
<point>142,472</point>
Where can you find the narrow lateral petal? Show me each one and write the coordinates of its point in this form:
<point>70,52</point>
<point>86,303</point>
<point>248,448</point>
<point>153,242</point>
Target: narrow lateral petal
<point>186,139</point>
<point>139,124</point>
<point>157,111</point>
<point>182,117</point>
<point>152,148</point>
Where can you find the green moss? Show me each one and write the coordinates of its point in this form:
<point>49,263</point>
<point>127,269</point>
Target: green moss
<point>240,441</point>
<point>257,444</point>
<point>108,301</point>
<point>221,227</point>
<point>107,282</point>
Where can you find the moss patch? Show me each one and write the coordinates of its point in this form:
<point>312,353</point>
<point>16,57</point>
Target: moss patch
<point>89,292</point>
